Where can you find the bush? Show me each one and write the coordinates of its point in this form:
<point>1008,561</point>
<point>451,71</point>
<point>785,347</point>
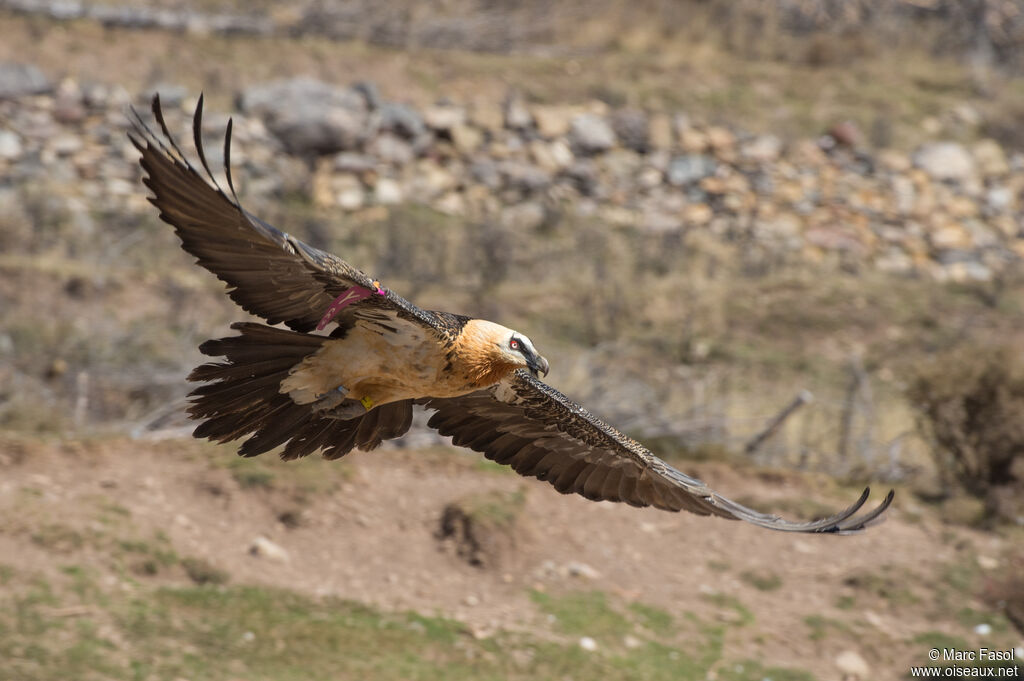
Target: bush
<point>1004,590</point>
<point>970,404</point>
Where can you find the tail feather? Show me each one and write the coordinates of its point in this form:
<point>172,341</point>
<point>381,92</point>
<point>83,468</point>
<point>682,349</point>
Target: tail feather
<point>241,396</point>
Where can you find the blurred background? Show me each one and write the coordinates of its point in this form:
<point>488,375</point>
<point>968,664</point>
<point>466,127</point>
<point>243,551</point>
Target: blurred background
<point>779,242</point>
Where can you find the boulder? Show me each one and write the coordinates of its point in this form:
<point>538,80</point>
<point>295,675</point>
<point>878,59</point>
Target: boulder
<point>632,128</point>
<point>945,161</point>
<point>690,168</point>
<point>19,80</point>
<point>590,133</point>
<point>308,116</point>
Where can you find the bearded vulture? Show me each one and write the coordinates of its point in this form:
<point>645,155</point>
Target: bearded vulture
<point>356,386</point>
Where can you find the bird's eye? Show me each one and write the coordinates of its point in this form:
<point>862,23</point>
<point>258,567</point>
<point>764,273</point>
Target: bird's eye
<point>514,344</point>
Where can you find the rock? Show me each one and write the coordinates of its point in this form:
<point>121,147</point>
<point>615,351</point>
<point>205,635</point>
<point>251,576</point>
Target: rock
<point>762,149</point>
<point>348,192</point>
<point>310,117</point>
<point>66,144</point>
<point>584,177</point>
<point>951,237</point>
<point>893,161</point>
<point>485,171</point>
<point>487,116</point>
<point>589,133</point>
<point>429,180</point>
<point>172,95</point>
<point>68,105</point>
<point>388,191</point>
<point>998,199</point>
<point>554,121</point>
<point>19,80</point>
<point>391,149</point>
<point>10,145</point>
<point>683,170</point>
<point>517,117</point>
<point>588,644</point>
<point>983,629</point>
<point>894,261</point>
<point>466,138</point>
<point>631,642</point>
<point>551,156</point>
<point>264,548</point>
<point>720,139</point>
<point>990,158</point>
<point>402,120</point>
<point>945,161</point>
<point>352,162</point>
<point>444,117</point>
<point>367,89</point>
<point>582,570</point>
<point>697,214</point>
<point>523,176</point>
<point>660,131</point>
<point>852,666</point>
<point>846,134</point>
<point>632,128</point>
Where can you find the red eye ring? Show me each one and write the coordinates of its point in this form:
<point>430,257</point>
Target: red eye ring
<point>514,344</point>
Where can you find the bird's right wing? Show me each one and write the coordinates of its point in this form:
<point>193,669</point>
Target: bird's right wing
<point>269,273</point>
<point>526,424</point>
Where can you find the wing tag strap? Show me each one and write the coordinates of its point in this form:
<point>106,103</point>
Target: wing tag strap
<point>353,294</point>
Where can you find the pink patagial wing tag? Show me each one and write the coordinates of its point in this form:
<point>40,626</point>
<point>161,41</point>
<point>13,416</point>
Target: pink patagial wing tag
<point>353,295</point>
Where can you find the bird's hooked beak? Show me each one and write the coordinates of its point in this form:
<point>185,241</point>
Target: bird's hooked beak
<point>537,365</point>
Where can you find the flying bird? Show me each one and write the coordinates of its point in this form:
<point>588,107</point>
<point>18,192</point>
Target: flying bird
<point>356,386</point>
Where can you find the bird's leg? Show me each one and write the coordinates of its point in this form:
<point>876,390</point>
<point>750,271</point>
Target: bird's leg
<point>331,399</point>
<point>337,405</point>
<point>349,409</point>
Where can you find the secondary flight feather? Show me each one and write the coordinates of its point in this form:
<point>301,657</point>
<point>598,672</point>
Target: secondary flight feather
<point>354,387</point>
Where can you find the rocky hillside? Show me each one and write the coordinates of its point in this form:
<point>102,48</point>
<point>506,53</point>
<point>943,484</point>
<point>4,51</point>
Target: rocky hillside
<point>946,211</point>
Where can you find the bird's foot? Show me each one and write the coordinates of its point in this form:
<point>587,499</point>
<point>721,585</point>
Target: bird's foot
<point>331,399</point>
<point>347,410</point>
<point>337,405</point>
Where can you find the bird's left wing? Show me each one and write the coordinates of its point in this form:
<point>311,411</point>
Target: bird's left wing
<point>539,432</point>
<point>269,273</point>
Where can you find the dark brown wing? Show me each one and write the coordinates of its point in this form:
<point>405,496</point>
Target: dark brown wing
<point>528,425</point>
<point>269,273</point>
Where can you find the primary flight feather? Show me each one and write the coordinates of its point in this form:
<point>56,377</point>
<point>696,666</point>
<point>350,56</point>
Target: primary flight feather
<point>356,386</point>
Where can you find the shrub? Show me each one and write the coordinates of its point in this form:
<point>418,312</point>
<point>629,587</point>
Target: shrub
<point>970,404</point>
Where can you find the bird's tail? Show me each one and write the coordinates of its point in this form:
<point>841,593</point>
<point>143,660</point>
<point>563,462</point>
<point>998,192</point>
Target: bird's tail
<point>242,396</point>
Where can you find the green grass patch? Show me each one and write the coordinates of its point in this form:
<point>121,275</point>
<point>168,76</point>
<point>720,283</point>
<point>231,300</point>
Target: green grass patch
<point>210,632</point>
<point>887,584</point>
<point>740,614</point>
<point>762,580</point>
<point>58,538</point>
<point>584,614</point>
<point>820,626</point>
<point>653,618</point>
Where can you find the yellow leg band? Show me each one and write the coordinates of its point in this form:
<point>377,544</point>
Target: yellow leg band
<point>367,402</point>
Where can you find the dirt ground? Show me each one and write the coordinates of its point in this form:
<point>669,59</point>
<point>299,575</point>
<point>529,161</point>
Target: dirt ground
<point>366,529</point>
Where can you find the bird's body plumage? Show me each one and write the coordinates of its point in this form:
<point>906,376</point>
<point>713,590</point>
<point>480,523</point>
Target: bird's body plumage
<point>356,387</point>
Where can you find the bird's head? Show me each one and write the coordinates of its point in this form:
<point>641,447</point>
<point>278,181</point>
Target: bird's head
<point>517,349</point>
<point>491,351</point>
